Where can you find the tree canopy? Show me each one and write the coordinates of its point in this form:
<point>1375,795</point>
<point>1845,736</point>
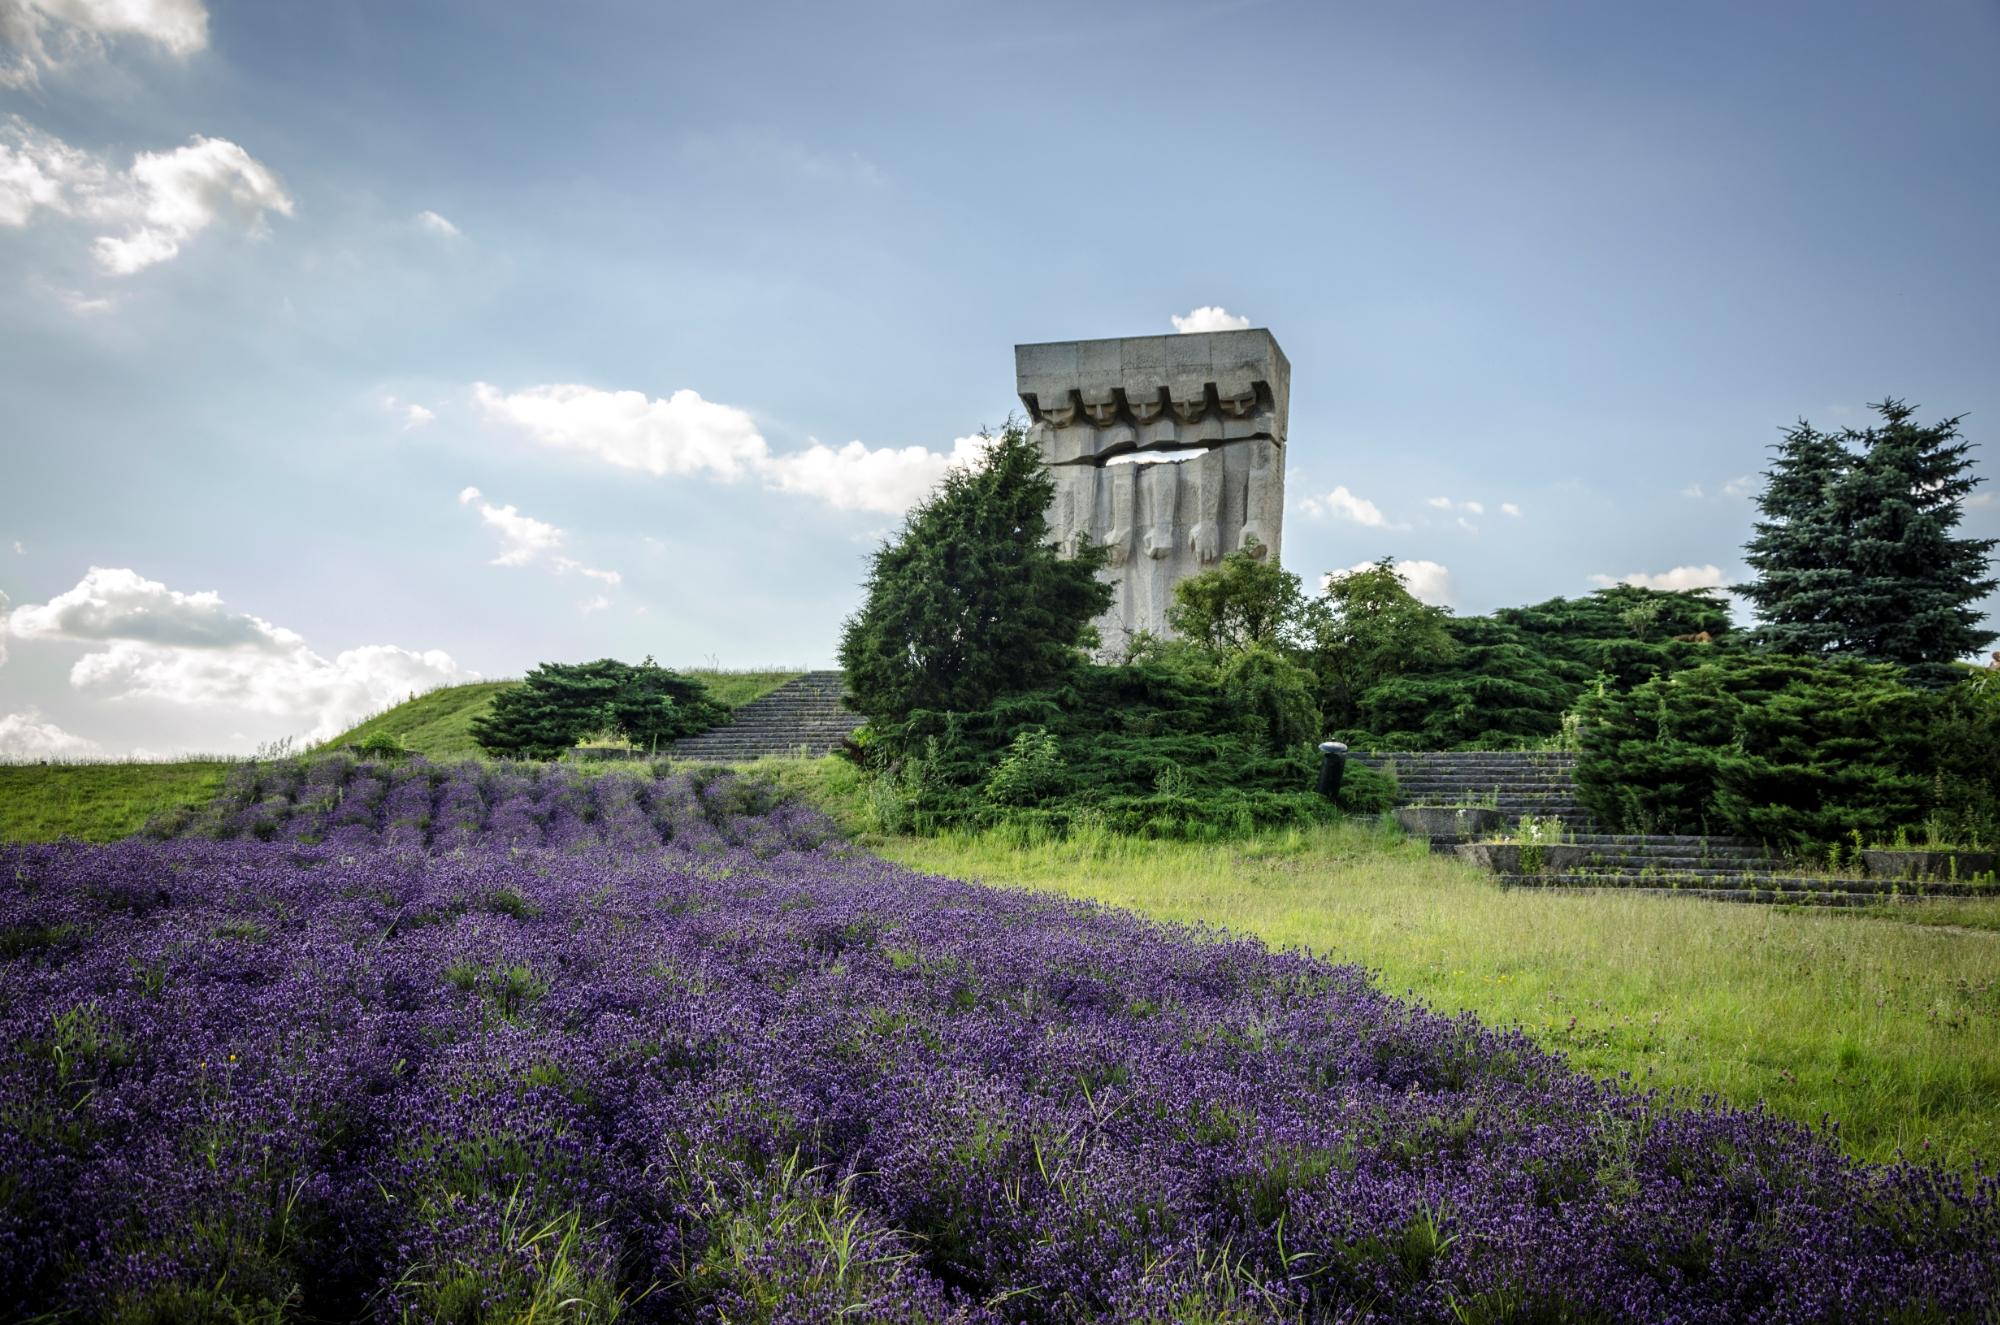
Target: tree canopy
<point>1856,555</point>
<point>971,600</point>
<point>561,703</point>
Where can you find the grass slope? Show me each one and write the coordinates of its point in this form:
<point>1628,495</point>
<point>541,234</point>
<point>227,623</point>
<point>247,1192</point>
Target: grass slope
<point>97,802</point>
<point>1887,1021</point>
<point>438,724</point>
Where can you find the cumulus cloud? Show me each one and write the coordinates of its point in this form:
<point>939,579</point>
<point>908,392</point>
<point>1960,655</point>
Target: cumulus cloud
<point>120,604</point>
<point>595,603</point>
<point>1982,499</point>
<point>1209,317</point>
<point>1344,505</point>
<point>192,649</point>
<point>48,34</point>
<point>1426,580</point>
<point>525,540</point>
<point>25,735</point>
<point>160,202</point>
<point>1743,485</point>
<point>1509,508</point>
<point>436,225</point>
<point>685,435</point>
<point>1680,577</point>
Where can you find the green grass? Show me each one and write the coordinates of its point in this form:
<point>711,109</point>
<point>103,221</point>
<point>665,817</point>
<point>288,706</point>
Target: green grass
<point>98,802</point>
<point>1888,1020</point>
<point>438,724</point>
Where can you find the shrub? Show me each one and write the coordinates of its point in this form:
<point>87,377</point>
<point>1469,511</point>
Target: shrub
<point>1795,753</point>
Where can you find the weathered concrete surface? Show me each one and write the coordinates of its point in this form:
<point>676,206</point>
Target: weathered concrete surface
<point>1168,450</point>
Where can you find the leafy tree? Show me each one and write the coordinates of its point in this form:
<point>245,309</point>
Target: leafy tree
<point>1248,601</point>
<point>971,601</point>
<point>1367,629</point>
<point>1856,554</point>
<point>561,703</point>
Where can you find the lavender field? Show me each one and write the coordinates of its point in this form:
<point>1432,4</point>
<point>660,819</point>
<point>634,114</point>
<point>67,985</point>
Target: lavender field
<point>402,1042</point>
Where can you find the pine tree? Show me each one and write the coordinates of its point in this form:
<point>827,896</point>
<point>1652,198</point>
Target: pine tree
<point>1799,593</point>
<point>971,601</point>
<point>1856,555</point>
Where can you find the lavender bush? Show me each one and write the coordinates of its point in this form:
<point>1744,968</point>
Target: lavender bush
<point>400,1042</point>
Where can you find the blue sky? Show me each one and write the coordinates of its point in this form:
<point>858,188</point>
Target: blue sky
<point>694,298</point>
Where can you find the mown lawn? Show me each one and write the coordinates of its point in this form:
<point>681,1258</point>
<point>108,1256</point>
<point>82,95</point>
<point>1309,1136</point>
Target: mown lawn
<point>1890,1028</point>
<point>97,802</point>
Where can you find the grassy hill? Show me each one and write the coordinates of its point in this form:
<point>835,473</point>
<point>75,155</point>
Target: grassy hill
<point>98,802</point>
<point>438,725</point>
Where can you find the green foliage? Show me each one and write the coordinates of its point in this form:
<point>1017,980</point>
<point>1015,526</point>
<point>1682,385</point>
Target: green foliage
<point>380,745</point>
<point>1165,746</point>
<point>1964,749</point>
<point>1398,674</point>
<point>1369,629</point>
<point>436,724</point>
<point>1030,772</point>
<point>1793,752</point>
<point>1856,554</point>
<point>971,601</point>
<point>561,703</point>
<point>1248,601</point>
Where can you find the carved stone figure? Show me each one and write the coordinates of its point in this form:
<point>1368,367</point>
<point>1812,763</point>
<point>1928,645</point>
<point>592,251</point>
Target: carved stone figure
<point>1169,450</point>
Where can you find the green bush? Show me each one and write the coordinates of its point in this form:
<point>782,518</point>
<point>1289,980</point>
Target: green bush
<point>1795,753</point>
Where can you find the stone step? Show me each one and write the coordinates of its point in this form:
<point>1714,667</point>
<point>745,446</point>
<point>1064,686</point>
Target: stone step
<point>805,715</point>
<point>1782,884</point>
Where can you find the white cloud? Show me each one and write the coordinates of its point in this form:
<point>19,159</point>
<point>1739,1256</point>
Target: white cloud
<point>855,477</point>
<point>1982,499</point>
<point>1680,577</point>
<point>437,225</point>
<point>25,736</point>
<point>1209,317</point>
<point>522,537</point>
<point>84,305</point>
<point>20,550</point>
<point>3,620</point>
<point>1344,505</point>
<point>682,434</point>
<point>1509,508</point>
<point>162,201</point>
<point>525,540</point>
<point>1426,580</point>
<point>191,649</point>
<point>685,435</point>
<point>1447,504</point>
<point>593,604</point>
<point>414,415</point>
<point>1743,485</point>
<point>121,604</point>
<point>1467,525</point>
<point>1691,490</point>
<point>47,34</point>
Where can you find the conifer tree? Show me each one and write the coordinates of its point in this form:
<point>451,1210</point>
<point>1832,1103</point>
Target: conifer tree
<point>1856,555</point>
<point>971,600</point>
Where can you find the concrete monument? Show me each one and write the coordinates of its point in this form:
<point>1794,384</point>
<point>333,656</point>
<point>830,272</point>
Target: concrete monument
<point>1169,450</point>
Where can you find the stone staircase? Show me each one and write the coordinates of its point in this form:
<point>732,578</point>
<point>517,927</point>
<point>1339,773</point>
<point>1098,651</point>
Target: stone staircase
<point>806,716</point>
<point>1579,853</point>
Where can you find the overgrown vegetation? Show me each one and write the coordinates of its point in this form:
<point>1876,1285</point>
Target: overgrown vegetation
<point>559,704</point>
<point>970,658</point>
<point>1802,754</point>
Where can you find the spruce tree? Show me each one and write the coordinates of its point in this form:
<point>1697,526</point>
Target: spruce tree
<point>1856,555</point>
<point>1800,591</point>
<point>971,601</point>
